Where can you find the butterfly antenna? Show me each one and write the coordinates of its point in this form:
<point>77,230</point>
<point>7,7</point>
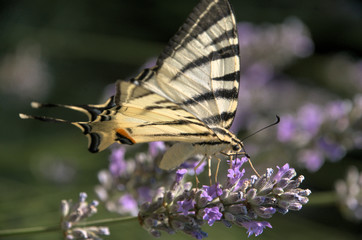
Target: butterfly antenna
<point>270,125</point>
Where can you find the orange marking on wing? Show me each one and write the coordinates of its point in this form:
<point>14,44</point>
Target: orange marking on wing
<point>125,134</point>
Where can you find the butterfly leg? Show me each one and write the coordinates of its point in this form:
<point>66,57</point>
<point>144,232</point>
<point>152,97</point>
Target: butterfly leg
<point>209,164</point>
<point>195,168</point>
<point>217,169</point>
<point>230,161</point>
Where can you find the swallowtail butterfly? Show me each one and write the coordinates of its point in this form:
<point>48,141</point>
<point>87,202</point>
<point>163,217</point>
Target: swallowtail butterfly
<point>188,97</point>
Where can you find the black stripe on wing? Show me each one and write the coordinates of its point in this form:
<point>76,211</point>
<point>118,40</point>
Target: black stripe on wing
<point>224,117</point>
<point>200,20</point>
<point>181,134</point>
<point>221,93</point>
<point>228,77</point>
<point>230,34</point>
<point>176,122</point>
<point>222,53</point>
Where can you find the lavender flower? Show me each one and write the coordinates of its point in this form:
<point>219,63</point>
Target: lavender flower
<point>74,213</point>
<point>192,163</point>
<point>130,182</point>
<point>326,134</point>
<point>255,227</point>
<point>117,164</point>
<point>186,205</point>
<point>211,215</point>
<point>238,204</point>
<point>314,122</point>
<point>155,148</point>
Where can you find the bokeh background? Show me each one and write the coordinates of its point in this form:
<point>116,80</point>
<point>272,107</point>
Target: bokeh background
<point>71,51</point>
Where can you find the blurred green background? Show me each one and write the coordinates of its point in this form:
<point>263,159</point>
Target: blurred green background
<point>69,51</point>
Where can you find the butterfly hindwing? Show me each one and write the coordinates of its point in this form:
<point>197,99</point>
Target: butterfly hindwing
<point>143,116</point>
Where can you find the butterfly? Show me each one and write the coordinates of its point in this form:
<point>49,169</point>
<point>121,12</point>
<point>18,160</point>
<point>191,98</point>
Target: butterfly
<point>189,97</point>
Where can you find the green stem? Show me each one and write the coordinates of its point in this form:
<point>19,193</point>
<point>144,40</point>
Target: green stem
<point>35,230</point>
<point>31,230</point>
<point>107,221</point>
<point>322,198</point>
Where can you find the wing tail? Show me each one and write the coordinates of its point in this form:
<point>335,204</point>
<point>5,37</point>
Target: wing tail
<point>92,111</point>
<point>97,140</point>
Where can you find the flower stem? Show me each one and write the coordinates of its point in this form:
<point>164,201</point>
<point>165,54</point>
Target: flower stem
<point>31,230</point>
<point>107,221</point>
<point>323,198</point>
<point>43,229</point>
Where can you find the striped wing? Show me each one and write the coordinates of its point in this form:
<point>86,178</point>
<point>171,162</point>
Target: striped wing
<point>143,116</point>
<point>199,69</point>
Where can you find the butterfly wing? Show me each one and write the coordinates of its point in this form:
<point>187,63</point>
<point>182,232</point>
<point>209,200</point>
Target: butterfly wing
<point>199,69</point>
<point>143,116</point>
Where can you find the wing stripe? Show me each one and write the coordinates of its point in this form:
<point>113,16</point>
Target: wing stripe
<point>221,93</point>
<point>228,77</point>
<point>211,143</point>
<point>181,134</point>
<point>224,116</point>
<point>204,16</point>
<point>222,53</point>
<point>228,35</point>
<point>145,75</point>
<point>176,122</point>
<point>150,108</point>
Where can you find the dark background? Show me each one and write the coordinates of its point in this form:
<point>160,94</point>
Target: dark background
<point>85,45</point>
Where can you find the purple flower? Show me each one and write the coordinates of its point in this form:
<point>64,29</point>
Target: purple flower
<point>199,234</point>
<point>191,164</point>
<point>255,227</point>
<point>237,163</point>
<point>260,197</point>
<point>281,172</point>
<point>73,216</point>
<point>211,215</point>
<point>144,194</point>
<point>333,150</point>
<point>186,205</point>
<point>338,109</point>
<point>205,195</point>
<point>234,175</point>
<point>213,191</point>
<point>286,128</point>
<point>117,164</point>
<point>311,159</point>
<point>310,118</point>
<point>180,174</point>
<point>155,148</point>
<point>129,204</point>
<point>258,74</point>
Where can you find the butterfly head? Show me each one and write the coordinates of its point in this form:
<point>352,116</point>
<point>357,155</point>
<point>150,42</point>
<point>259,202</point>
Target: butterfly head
<point>237,146</point>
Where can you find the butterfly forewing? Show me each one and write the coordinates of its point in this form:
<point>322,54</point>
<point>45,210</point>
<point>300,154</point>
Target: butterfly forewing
<point>199,69</point>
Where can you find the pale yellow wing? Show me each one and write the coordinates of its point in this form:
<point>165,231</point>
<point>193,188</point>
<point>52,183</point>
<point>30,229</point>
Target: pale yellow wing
<point>140,115</point>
